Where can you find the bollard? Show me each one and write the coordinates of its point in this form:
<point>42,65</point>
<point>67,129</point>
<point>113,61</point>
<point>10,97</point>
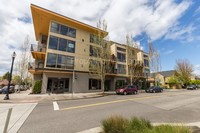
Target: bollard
<point>7,121</point>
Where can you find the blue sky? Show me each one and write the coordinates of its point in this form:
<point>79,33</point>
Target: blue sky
<point>172,25</point>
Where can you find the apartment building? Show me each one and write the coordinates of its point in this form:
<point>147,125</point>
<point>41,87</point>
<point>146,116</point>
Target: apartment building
<point>64,52</point>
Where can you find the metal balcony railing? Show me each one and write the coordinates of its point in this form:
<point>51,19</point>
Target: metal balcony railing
<point>32,65</point>
<point>39,48</point>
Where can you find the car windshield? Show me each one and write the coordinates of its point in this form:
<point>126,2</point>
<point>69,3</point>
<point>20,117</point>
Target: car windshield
<point>152,87</point>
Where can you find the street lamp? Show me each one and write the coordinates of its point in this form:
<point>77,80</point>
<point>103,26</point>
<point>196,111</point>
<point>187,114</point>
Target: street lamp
<point>10,77</point>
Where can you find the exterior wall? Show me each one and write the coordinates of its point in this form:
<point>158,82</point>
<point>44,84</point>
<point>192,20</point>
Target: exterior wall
<point>81,84</point>
<point>54,75</point>
<point>82,43</point>
<point>81,61</point>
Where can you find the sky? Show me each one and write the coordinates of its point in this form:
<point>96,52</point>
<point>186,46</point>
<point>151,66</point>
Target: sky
<point>173,26</point>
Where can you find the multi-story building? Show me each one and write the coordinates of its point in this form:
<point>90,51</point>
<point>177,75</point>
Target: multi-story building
<point>64,50</point>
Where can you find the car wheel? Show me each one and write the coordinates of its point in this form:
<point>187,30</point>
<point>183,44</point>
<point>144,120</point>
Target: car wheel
<point>125,93</point>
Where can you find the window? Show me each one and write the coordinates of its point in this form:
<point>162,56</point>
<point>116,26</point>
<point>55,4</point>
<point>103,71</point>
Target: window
<point>121,69</point>
<point>53,42</point>
<point>146,63</point>
<point>145,56</point>
<point>71,32</point>
<point>94,39</point>
<point>94,51</point>
<point>121,57</point>
<point>121,49</point>
<point>63,30</point>
<point>55,27</point>
<point>62,44</point>
<point>94,65</point>
<point>69,62</point>
<point>71,46</point>
<point>51,60</point>
<point>94,84</point>
<point>63,61</point>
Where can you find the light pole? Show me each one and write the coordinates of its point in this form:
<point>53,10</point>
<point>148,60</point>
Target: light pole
<point>10,77</point>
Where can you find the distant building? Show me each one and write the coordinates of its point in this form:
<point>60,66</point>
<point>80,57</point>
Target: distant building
<point>64,53</point>
<point>162,77</point>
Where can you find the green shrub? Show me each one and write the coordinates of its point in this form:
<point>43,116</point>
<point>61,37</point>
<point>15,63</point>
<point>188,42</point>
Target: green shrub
<point>137,125</point>
<point>118,124</point>
<point>115,124</point>
<point>170,129</point>
<point>37,87</point>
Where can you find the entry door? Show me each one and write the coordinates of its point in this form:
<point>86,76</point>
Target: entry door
<point>61,86</point>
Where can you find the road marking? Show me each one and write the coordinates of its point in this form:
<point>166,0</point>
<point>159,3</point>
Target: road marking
<point>110,102</point>
<point>55,106</point>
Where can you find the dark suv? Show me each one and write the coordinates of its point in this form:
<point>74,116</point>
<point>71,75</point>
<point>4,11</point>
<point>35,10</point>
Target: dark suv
<point>191,87</point>
<point>129,89</point>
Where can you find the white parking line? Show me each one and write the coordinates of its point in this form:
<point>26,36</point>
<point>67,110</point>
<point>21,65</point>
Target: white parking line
<point>55,106</point>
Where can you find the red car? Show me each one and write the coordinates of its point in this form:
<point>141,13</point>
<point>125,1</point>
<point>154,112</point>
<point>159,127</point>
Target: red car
<point>129,89</point>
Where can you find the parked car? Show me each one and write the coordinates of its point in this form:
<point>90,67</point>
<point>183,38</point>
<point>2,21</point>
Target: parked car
<point>191,87</point>
<point>154,89</point>
<point>4,89</point>
<point>129,89</point>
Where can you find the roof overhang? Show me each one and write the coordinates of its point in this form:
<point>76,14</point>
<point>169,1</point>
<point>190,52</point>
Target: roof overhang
<point>42,17</point>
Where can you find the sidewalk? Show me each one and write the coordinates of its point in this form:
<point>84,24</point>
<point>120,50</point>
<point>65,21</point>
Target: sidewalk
<point>26,97</point>
<point>19,114</point>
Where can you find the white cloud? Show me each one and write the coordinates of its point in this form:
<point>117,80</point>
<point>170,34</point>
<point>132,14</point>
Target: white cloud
<point>197,69</point>
<point>123,17</point>
<point>169,52</point>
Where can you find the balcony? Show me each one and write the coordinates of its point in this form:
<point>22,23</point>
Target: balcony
<point>35,69</point>
<point>38,51</point>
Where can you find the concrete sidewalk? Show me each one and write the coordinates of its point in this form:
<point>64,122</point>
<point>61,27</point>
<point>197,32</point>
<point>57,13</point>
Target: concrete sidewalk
<point>19,114</point>
<point>26,97</point>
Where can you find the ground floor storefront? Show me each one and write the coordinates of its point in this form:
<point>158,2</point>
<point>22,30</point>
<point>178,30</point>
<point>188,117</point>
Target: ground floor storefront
<point>77,82</point>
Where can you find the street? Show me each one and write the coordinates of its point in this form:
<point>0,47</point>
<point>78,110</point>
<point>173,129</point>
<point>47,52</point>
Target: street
<point>72,116</point>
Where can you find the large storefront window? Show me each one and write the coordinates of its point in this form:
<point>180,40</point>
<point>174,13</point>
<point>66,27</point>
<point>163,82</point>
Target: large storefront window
<point>121,69</point>
<point>94,84</point>
<point>60,61</point>
<point>61,44</point>
<point>63,30</point>
<point>51,60</point>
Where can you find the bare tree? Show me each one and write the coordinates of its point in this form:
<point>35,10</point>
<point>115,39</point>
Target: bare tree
<point>184,70</point>
<point>135,67</point>
<point>101,59</point>
<point>155,62</point>
<point>24,57</point>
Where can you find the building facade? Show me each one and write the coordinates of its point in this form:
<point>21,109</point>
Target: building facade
<point>64,51</point>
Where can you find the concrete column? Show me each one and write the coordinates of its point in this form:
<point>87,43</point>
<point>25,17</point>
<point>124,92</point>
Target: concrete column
<point>44,83</point>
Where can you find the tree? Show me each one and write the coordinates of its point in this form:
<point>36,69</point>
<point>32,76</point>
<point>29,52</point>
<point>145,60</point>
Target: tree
<point>135,67</point>
<point>101,59</point>
<point>155,64</point>
<point>184,71</point>
<point>6,76</point>
<point>22,63</point>
<point>17,79</point>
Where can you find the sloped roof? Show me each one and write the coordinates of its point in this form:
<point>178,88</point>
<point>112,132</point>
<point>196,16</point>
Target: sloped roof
<point>165,73</point>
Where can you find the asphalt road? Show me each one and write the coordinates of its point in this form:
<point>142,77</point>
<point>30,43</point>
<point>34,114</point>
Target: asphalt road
<point>77,115</point>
